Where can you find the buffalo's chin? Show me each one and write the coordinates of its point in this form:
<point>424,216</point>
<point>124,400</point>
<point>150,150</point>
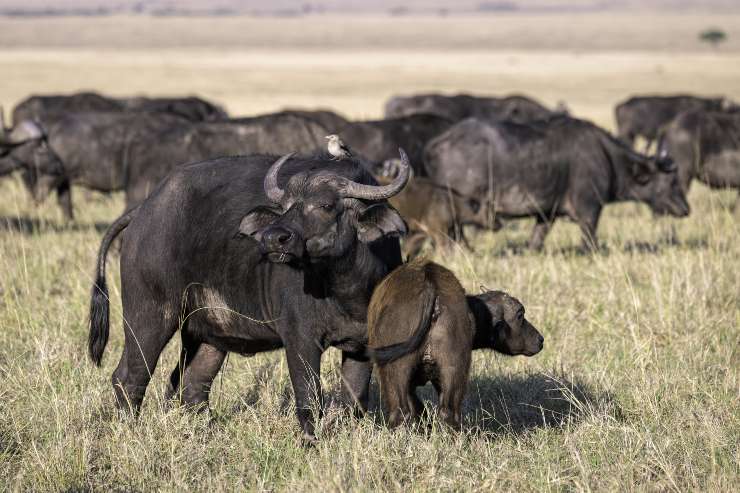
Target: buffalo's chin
<point>280,257</point>
<point>672,210</point>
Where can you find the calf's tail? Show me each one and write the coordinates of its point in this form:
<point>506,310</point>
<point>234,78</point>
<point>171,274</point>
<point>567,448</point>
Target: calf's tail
<point>430,309</point>
<point>99,303</point>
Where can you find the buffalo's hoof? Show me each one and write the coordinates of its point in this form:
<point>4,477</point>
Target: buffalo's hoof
<point>309,440</point>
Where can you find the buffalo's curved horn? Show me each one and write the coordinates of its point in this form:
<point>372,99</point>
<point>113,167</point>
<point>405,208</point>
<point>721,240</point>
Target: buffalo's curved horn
<point>356,190</point>
<point>272,190</point>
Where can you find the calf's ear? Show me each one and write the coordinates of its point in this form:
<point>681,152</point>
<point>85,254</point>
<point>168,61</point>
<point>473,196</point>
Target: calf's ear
<point>379,220</point>
<point>256,219</point>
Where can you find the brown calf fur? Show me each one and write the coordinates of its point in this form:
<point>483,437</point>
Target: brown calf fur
<point>436,212</point>
<point>422,327</point>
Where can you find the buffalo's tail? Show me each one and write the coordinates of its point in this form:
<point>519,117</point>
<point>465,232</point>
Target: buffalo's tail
<point>99,303</point>
<point>430,309</point>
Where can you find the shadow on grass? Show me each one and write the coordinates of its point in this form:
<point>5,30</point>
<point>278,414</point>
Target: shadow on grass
<point>510,403</point>
<point>518,403</point>
<point>32,225</point>
<point>515,404</point>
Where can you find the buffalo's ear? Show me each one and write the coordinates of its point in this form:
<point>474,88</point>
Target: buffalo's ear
<point>256,219</point>
<point>379,220</point>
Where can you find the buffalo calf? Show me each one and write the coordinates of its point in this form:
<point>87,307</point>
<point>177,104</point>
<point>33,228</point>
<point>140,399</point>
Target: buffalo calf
<point>437,213</point>
<point>422,327</point>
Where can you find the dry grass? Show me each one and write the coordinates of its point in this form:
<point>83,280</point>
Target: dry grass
<point>638,387</point>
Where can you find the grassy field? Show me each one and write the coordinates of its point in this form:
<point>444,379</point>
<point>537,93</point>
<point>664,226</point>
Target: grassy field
<point>637,389</point>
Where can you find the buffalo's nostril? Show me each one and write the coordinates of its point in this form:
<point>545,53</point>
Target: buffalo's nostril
<point>278,236</point>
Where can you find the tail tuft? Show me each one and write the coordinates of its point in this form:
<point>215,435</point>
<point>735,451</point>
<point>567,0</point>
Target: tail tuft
<point>99,320</point>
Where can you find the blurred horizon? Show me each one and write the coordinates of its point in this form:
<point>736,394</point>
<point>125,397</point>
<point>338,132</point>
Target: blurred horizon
<point>390,7</point>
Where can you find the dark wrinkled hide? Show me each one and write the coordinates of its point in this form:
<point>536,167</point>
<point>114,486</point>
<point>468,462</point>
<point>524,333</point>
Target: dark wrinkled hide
<point>379,140</point>
<point>562,167</point>
<point>706,146</point>
<point>153,156</point>
<point>38,108</point>
<point>514,108</point>
<point>331,121</point>
<point>194,256</point>
<point>190,108</point>
<point>422,327</point>
<point>644,116</point>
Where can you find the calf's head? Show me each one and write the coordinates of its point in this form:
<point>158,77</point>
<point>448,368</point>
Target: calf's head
<point>500,325</point>
<point>320,215</point>
<point>656,182</point>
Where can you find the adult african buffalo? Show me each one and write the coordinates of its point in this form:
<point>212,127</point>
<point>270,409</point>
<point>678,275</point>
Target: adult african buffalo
<point>563,167</point>
<point>94,148</point>
<point>39,108</point>
<point>250,254</point>
<point>514,108</point>
<point>378,140</point>
<point>153,156</point>
<point>644,116</point>
<point>25,147</point>
<point>706,146</point>
<point>135,151</point>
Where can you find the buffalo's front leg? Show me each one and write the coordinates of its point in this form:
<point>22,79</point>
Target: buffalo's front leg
<point>304,365</point>
<point>539,233</point>
<point>64,200</point>
<point>356,373</point>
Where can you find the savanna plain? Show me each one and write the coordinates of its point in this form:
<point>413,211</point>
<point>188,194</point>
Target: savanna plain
<point>637,389</point>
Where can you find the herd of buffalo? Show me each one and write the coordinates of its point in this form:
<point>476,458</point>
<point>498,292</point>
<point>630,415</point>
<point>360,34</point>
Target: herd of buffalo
<point>246,236</point>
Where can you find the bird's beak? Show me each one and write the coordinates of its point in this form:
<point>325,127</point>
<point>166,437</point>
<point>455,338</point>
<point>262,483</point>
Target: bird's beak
<point>327,137</point>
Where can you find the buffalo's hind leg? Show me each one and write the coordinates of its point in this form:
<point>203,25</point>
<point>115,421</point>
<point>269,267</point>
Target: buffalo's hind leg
<point>451,390</point>
<point>199,375</point>
<point>147,332</point>
<point>397,392</point>
<point>196,369</point>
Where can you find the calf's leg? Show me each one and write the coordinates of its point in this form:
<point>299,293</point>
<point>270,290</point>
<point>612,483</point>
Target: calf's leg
<point>397,393</point>
<point>451,385</point>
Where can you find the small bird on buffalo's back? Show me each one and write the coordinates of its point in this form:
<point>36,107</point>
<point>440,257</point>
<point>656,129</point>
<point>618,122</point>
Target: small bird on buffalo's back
<point>337,148</point>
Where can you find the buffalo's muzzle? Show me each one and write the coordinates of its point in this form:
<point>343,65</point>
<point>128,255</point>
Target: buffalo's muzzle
<point>280,244</point>
<point>535,346</point>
